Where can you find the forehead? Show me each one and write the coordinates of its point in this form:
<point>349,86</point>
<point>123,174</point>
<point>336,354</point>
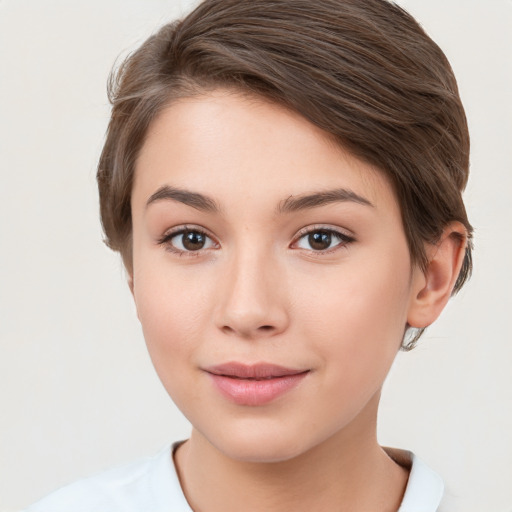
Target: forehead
<point>238,147</point>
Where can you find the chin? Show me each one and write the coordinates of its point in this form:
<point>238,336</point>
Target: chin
<point>252,441</point>
<point>260,450</point>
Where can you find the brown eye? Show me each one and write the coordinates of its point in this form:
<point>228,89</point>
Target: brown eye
<point>320,240</point>
<point>187,241</point>
<point>193,240</point>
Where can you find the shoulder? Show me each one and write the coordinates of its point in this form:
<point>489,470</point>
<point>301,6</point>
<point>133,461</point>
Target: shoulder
<point>147,484</point>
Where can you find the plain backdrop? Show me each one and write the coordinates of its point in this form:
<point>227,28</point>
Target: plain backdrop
<point>77,390</point>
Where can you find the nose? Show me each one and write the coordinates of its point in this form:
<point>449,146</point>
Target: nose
<point>252,298</point>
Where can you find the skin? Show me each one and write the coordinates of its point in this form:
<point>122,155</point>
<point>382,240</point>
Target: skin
<point>259,292</point>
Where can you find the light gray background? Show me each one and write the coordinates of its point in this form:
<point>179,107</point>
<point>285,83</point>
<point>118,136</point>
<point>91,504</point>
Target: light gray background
<point>77,390</point>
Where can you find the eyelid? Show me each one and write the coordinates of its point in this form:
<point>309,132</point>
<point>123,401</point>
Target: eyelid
<point>345,238</point>
<point>177,230</point>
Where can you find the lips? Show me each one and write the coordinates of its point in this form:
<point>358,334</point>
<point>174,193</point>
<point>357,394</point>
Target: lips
<point>256,384</point>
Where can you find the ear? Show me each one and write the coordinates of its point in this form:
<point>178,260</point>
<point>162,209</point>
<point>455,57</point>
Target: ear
<point>433,287</point>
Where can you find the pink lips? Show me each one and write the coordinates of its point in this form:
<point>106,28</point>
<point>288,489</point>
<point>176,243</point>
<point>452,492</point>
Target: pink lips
<point>255,384</point>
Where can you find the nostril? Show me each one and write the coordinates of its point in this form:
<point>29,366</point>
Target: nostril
<point>261,330</point>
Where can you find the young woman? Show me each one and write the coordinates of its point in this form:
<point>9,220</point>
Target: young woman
<point>283,180</point>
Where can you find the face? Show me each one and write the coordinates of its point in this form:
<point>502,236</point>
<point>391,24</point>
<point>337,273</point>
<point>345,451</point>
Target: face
<point>272,276</point>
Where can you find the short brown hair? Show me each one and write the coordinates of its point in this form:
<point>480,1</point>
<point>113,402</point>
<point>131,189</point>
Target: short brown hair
<point>362,70</point>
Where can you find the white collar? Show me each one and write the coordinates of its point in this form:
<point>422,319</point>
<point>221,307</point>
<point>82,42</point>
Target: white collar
<point>425,487</point>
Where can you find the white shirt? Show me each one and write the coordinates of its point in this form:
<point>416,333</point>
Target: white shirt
<point>152,485</point>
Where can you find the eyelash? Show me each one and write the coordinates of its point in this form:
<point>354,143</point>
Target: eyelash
<point>343,240</point>
<point>166,240</point>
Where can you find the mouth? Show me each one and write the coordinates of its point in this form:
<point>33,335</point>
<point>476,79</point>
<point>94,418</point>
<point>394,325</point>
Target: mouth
<point>255,384</point>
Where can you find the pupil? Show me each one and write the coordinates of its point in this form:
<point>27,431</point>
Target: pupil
<point>193,241</point>
<point>320,240</point>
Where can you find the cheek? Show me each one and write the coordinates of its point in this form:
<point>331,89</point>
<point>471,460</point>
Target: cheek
<point>358,321</point>
<point>171,312</point>
<point>171,315</point>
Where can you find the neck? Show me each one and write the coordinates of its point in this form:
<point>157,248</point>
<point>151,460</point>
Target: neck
<point>347,472</point>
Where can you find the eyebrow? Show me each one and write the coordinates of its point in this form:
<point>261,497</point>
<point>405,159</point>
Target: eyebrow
<point>193,199</point>
<point>289,205</point>
<point>316,199</point>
